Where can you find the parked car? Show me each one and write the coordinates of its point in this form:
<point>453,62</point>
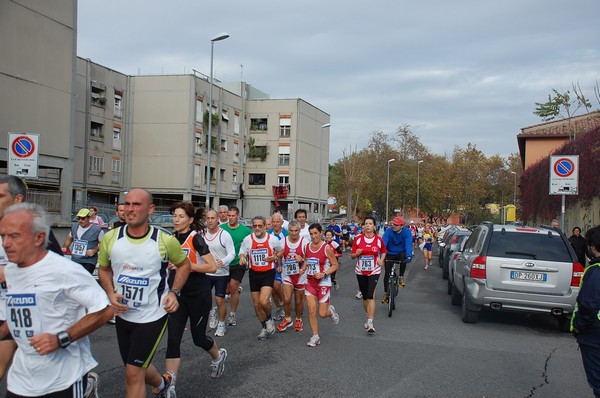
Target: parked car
<point>452,263</point>
<point>454,241</point>
<point>443,241</point>
<point>514,268</point>
<point>163,220</point>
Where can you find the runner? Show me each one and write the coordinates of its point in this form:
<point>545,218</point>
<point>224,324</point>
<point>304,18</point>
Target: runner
<point>85,238</point>
<point>133,271</point>
<point>279,232</point>
<point>236,272</point>
<point>195,299</point>
<point>370,251</point>
<point>320,263</point>
<point>300,216</point>
<point>53,305</point>
<point>398,244</point>
<point>428,236</point>
<point>223,250</point>
<point>337,250</point>
<point>259,251</point>
<point>294,276</point>
<point>223,210</point>
<point>346,236</point>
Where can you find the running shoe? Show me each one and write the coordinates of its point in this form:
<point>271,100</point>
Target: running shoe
<point>263,334</point>
<point>217,368</point>
<point>231,321</point>
<point>279,314</point>
<point>314,341</point>
<point>91,389</point>
<point>227,297</point>
<point>358,295</point>
<point>298,326</point>
<point>402,282</point>
<point>336,286</point>
<point>270,327</point>
<point>384,299</point>
<point>172,393</point>
<point>240,289</point>
<point>221,328</point>
<point>169,378</point>
<point>335,318</point>
<point>370,327</point>
<point>212,318</point>
<point>112,320</point>
<point>284,325</point>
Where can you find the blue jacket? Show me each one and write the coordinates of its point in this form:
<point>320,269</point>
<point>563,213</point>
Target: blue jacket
<point>398,242</point>
<point>586,318</point>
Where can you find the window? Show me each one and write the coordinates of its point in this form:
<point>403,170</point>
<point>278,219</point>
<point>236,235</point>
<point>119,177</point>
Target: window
<point>259,124</point>
<point>116,171</point>
<point>236,124</point>
<point>212,174</point>
<point>256,179</point>
<point>198,143</point>
<point>199,113</point>
<point>98,94</point>
<point>284,156</point>
<point>258,152</point>
<point>222,174</point>
<point>197,175</point>
<point>283,179</point>
<point>96,131</point>
<point>96,164</point>
<point>224,145</point>
<point>116,139</point>
<point>234,178</point>
<point>285,127</point>
<point>236,152</point>
<point>118,106</point>
<point>224,116</point>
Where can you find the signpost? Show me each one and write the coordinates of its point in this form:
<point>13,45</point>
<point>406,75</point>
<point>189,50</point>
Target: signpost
<point>564,179</point>
<point>23,154</point>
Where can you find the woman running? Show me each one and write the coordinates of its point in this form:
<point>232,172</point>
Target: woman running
<point>320,264</point>
<point>370,251</point>
<point>195,299</point>
<point>428,236</point>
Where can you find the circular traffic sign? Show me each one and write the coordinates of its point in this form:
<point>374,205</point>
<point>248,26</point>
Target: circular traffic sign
<point>23,147</point>
<point>564,167</point>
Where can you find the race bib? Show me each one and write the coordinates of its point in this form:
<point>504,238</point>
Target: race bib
<point>79,247</point>
<point>134,290</point>
<point>23,315</point>
<point>258,257</point>
<point>290,266</point>
<point>312,266</point>
<point>367,263</point>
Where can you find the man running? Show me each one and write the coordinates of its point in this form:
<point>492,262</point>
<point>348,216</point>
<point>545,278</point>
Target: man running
<point>222,248</point>
<point>259,251</point>
<point>223,218</point>
<point>300,216</point>
<point>53,305</point>
<point>236,271</point>
<point>345,236</point>
<point>85,238</point>
<point>121,214</point>
<point>280,233</point>
<point>133,272</point>
<point>294,277</point>
<point>337,231</point>
<point>398,243</point>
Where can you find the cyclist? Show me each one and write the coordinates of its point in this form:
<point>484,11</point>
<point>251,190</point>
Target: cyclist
<point>398,242</point>
<point>370,251</point>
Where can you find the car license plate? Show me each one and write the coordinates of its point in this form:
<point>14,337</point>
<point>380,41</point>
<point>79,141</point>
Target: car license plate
<point>528,276</point>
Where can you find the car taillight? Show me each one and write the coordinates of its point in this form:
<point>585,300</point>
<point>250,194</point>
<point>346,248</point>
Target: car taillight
<point>478,267</point>
<point>577,274</point>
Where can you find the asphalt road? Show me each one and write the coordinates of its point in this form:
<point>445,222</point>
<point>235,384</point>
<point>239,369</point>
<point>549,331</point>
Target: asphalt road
<point>424,350</point>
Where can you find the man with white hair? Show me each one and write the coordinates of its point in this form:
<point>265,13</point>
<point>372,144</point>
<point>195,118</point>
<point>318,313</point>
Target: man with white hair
<point>223,210</point>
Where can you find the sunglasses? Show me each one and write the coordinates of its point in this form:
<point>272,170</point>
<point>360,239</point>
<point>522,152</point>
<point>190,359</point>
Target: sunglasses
<point>257,226</point>
<point>81,218</point>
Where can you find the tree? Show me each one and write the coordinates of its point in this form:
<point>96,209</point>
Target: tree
<point>563,106</point>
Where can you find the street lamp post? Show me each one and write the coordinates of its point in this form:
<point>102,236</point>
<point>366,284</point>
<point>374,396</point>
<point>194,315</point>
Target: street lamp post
<point>515,192</point>
<point>418,185</point>
<point>387,192</point>
<point>326,125</point>
<point>219,37</point>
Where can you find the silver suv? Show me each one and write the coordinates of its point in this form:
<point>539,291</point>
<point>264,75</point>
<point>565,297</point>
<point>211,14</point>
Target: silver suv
<point>516,268</point>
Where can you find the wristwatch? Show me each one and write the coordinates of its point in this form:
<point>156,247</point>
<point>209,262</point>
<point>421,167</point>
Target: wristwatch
<point>64,339</point>
<point>176,291</point>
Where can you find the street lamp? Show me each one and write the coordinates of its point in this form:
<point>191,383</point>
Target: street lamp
<point>387,192</point>
<point>219,37</point>
<point>326,125</point>
<point>418,185</point>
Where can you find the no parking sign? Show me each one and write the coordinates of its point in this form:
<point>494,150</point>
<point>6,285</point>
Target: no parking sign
<point>564,175</point>
<point>23,153</point>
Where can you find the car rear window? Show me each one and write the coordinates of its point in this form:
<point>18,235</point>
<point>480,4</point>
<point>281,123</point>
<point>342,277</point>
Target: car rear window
<point>535,246</point>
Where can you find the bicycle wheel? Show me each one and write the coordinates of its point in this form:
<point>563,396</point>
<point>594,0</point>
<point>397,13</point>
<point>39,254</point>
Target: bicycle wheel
<point>391,294</point>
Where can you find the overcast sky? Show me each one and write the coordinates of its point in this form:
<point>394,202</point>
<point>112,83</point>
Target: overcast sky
<point>456,71</point>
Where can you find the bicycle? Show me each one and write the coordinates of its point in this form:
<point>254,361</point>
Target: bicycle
<point>392,288</point>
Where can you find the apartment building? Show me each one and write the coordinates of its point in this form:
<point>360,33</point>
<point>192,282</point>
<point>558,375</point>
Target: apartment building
<point>103,132</point>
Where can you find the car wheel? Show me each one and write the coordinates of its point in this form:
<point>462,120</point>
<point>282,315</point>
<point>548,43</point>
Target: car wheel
<point>455,298</point>
<point>467,315</point>
<point>564,323</point>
